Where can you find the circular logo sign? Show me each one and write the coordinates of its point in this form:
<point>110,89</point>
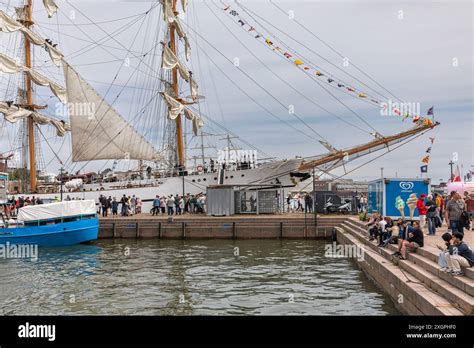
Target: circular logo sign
<point>406,185</point>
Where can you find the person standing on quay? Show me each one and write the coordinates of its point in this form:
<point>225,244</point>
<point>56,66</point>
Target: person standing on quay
<point>431,215</point>
<point>170,204</point>
<point>420,205</point>
<point>454,209</point>
<point>133,204</point>
<point>115,207</point>
<point>156,206</point>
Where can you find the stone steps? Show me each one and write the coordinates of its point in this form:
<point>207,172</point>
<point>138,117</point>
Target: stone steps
<point>428,254</point>
<point>454,289</point>
<point>409,295</point>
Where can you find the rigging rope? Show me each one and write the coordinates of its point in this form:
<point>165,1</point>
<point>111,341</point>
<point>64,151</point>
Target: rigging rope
<point>258,84</point>
<point>284,81</point>
<point>334,50</point>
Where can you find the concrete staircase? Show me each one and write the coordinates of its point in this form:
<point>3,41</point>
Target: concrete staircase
<point>449,295</point>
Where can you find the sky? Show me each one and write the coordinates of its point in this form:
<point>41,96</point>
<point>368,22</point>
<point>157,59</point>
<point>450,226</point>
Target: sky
<point>419,51</point>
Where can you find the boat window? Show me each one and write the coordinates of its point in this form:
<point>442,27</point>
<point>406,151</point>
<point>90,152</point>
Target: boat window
<point>88,217</point>
<point>70,219</point>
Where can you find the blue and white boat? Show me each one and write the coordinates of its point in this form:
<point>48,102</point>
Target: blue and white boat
<point>54,224</point>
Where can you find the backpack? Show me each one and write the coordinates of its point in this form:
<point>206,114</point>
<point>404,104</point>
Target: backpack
<point>464,220</point>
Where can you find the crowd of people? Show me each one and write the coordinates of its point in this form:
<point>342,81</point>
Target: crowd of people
<point>299,203</point>
<point>178,205</point>
<point>164,205</point>
<point>10,209</point>
<point>454,210</point>
<point>129,205</point>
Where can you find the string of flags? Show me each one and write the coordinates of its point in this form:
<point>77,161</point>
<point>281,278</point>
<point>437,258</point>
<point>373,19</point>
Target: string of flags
<point>299,63</point>
<point>426,159</point>
<point>296,61</point>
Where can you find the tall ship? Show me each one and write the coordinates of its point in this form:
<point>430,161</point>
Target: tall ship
<point>160,147</point>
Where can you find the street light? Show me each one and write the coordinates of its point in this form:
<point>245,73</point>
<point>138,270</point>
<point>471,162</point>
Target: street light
<point>314,200</point>
<point>61,171</point>
<point>451,163</point>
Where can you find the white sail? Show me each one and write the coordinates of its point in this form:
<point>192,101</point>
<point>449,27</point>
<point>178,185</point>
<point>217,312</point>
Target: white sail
<point>197,120</point>
<point>51,7</point>
<point>174,107</point>
<point>9,25</point>
<point>184,4</point>
<point>10,66</point>
<point>168,14</point>
<point>170,61</point>
<point>41,80</point>
<point>104,134</point>
<point>13,114</point>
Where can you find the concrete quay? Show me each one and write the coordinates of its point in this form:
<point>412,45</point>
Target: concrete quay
<point>208,227</point>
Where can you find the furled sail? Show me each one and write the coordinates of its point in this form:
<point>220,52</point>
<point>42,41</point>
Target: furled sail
<point>184,4</point>
<point>103,134</point>
<point>10,66</point>
<point>170,61</point>
<point>13,114</point>
<point>175,108</point>
<point>51,7</point>
<point>197,121</point>
<point>9,25</point>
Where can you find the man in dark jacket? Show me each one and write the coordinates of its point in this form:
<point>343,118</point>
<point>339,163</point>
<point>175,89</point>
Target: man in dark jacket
<point>460,255</point>
<point>413,242</point>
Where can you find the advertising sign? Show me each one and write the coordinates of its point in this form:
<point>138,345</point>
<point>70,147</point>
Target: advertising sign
<point>401,196</point>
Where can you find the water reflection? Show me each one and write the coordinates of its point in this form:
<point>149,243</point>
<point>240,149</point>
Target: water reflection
<point>163,277</point>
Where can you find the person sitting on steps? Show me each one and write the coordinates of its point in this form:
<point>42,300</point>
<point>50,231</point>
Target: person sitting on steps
<point>444,250</point>
<point>460,255</point>
<point>413,242</point>
<point>373,225</point>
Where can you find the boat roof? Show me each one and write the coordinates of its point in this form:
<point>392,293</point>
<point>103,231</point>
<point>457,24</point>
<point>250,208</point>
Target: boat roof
<point>56,210</point>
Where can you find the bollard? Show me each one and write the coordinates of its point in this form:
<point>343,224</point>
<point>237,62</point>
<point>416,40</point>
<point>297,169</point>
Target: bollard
<point>281,229</point>
<point>183,226</point>
<point>115,229</point>
<point>137,230</point>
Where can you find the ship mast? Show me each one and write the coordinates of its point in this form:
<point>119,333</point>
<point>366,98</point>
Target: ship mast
<point>179,127</point>
<point>28,22</point>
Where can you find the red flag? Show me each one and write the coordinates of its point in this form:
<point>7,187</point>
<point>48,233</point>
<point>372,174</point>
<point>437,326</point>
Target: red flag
<point>456,174</point>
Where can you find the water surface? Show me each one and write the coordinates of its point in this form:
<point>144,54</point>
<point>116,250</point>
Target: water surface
<point>166,277</point>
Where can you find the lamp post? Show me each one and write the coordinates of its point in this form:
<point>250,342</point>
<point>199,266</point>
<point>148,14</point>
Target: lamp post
<point>314,201</point>
<point>61,171</point>
<point>451,163</point>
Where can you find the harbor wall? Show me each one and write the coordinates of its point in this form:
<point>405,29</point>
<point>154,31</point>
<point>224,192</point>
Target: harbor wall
<point>271,227</point>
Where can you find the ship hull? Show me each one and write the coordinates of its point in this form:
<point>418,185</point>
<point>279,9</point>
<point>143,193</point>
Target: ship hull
<point>61,234</point>
<point>271,174</point>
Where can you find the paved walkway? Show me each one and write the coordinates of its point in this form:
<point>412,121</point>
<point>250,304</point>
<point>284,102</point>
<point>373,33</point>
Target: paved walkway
<point>436,240</point>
